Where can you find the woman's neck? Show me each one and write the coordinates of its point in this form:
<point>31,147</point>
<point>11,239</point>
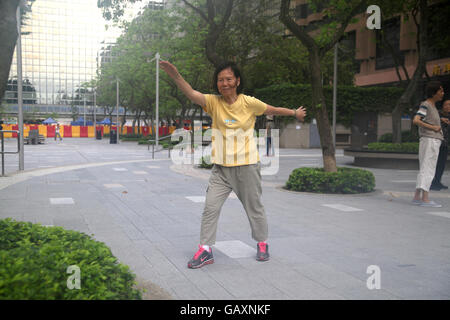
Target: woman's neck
<point>230,99</point>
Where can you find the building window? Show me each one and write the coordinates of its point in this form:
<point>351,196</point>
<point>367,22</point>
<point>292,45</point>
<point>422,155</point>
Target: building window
<point>388,36</point>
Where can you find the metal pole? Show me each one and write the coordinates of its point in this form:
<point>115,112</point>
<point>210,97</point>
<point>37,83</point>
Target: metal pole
<point>157,99</point>
<point>3,154</point>
<point>20,90</point>
<point>84,108</point>
<point>95,112</point>
<point>335,74</point>
<point>117,109</point>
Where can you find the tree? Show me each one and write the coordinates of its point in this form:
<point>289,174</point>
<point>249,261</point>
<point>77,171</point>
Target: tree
<point>217,14</point>
<point>331,29</point>
<point>419,12</point>
<point>8,37</point>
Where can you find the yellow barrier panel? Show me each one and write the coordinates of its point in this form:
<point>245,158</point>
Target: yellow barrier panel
<point>42,130</point>
<point>75,131</point>
<point>106,129</point>
<point>91,132</point>
<point>7,127</point>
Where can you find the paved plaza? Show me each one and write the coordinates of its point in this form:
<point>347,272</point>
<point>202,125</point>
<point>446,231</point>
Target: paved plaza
<point>148,211</point>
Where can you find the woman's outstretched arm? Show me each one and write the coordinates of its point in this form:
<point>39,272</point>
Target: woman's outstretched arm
<point>299,113</point>
<point>193,95</point>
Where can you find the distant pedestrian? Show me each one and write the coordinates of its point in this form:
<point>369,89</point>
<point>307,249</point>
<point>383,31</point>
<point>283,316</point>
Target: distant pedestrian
<point>431,136</point>
<point>443,150</point>
<point>57,134</point>
<point>269,127</point>
<point>236,167</point>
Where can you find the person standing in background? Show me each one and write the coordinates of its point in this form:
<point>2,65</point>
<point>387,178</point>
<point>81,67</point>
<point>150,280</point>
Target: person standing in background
<point>430,132</point>
<point>57,134</point>
<point>269,127</point>
<point>443,150</point>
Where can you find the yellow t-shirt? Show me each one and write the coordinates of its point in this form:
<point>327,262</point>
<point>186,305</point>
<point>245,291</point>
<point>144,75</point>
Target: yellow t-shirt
<point>233,142</point>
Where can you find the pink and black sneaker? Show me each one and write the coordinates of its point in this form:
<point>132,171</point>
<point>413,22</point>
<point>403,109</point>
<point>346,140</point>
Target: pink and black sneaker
<point>201,258</point>
<point>262,253</point>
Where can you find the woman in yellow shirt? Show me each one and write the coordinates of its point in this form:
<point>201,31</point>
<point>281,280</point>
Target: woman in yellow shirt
<point>234,154</point>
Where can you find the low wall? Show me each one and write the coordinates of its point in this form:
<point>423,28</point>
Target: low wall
<point>386,160</point>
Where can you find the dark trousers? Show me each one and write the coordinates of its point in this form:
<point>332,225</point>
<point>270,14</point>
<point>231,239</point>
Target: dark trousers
<point>440,166</point>
<point>269,145</point>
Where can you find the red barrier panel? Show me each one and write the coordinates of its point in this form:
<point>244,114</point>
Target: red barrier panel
<point>15,127</point>
<point>99,128</point>
<point>67,131</point>
<point>83,131</point>
<point>34,127</point>
<point>51,131</point>
<point>145,131</point>
<point>129,130</point>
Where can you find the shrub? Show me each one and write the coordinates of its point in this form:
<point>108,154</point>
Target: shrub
<point>206,163</point>
<point>345,180</point>
<point>407,136</point>
<point>409,147</point>
<point>34,261</point>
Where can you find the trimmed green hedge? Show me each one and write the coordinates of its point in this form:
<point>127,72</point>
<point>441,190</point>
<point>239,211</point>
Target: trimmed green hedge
<point>206,163</point>
<point>410,147</point>
<point>407,136</point>
<point>345,180</point>
<point>34,263</point>
<point>351,100</point>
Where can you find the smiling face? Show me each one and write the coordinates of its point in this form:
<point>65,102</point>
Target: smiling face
<point>227,82</point>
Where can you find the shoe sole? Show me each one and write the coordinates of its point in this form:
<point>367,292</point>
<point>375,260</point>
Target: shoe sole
<point>263,259</point>
<point>210,261</point>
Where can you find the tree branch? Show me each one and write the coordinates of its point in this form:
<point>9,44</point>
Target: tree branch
<point>200,12</point>
<point>296,29</point>
<point>340,32</point>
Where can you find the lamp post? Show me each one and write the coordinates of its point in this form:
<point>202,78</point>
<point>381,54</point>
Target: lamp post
<point>117,109</point>
<point>19,88</point>
<point>157,57</point>
<point>335,74</point>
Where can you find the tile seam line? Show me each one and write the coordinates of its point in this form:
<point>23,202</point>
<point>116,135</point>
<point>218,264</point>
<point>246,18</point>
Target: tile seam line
<point>23,176</point>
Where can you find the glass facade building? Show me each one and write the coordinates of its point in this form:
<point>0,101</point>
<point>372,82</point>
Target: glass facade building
<point>62,41</point>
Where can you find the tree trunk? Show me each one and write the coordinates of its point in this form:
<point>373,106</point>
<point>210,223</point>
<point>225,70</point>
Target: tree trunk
<point>320,112</point>
<point>8,38</point>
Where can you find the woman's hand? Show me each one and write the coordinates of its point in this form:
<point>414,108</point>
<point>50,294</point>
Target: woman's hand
<point>169,68</point>
<point>300,114</point>
<point>193,95</point>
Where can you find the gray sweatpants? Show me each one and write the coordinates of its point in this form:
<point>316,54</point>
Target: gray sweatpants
<point>245,181</point>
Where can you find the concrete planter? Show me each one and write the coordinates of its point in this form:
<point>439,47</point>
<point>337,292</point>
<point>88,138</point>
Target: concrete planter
<point>385,160</point>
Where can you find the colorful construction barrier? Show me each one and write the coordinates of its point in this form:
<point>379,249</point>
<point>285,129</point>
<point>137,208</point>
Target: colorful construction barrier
<point>68,131</point>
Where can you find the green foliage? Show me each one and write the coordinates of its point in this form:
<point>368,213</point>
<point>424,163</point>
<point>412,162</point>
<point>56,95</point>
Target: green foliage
<point>407,136</point>
<point>350,99</point>
<point>408,147</point>
<point>34,261</point>
<point>131,137</point>
<point>345,180</point>
<point>206,163</point>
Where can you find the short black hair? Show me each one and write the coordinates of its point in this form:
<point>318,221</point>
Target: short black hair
<point>432,87</point>
<point>236,72</point>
